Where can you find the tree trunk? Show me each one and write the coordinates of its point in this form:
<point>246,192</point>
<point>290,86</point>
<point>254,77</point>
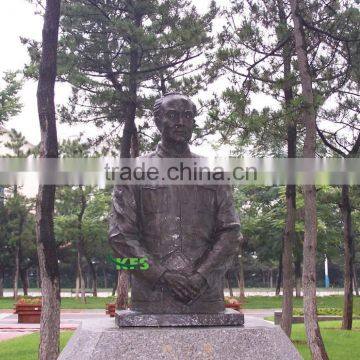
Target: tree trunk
<point>162,84</point>
<point>241,277</point>
<point>287,257</point>
<point>1,282</point>
<point>81,245</point>
<point>280,272</point>
<point>88,282</point>
<point>228,281</point>
<point>16,273</point>
<point>298,278</point>
<point>46,245</point>
<point>38,280</point>
<point>105,278</point>
<point>271,283</point>
<point>348,258</point>
<point>129,137</point>
<point>356,286</point>
<point>115,284</point>
<point>289,232</point>
<point>314,338</point>
<point>81,276</point>
<point>77,281</point>
<point>18,251</point>
<point>130,131</point>
<point>49,272</point>
<point>135,146</point>
<point>122,290</point>
<point>24,274</point>
<point>93,276</point>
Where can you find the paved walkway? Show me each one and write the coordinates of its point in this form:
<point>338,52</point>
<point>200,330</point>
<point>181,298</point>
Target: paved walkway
<point>70,320</point>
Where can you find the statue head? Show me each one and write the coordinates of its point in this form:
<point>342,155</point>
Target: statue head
<point>174,116</point>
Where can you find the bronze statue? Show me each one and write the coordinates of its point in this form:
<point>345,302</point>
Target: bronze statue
<point>188,233</point>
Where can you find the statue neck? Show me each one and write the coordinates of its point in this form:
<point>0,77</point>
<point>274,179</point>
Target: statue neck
<point>171,149</point>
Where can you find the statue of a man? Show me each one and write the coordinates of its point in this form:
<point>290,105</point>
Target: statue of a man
<point>188,233</point>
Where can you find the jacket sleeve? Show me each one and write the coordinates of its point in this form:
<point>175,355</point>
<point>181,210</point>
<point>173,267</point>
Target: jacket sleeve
<point>125,233</point>
<point>226,243</point>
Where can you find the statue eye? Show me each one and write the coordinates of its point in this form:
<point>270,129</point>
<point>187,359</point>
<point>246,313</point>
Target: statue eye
<point>172,115</point>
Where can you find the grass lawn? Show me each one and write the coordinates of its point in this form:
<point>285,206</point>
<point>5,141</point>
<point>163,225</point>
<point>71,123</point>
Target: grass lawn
<point>91,303</point>
<point>251,302</point>
<point>26,347</point>
<point>339,344</point>
<point>274,302</point>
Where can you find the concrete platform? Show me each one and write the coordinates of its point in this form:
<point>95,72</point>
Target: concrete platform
<point>103,340</point>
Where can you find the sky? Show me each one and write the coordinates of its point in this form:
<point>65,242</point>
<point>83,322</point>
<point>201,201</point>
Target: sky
<point>14,56</point>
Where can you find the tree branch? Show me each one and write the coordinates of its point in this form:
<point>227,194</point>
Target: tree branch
<point>326,33</point>
<point>328,144</point>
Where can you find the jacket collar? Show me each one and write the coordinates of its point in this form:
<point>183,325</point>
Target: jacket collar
<point>164,152</point>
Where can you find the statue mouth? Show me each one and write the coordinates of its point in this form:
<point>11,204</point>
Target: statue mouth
<point>179,130</point>
<point>180,133</point>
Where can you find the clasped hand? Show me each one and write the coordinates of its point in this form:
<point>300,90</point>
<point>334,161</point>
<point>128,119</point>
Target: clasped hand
<point>185,288</point>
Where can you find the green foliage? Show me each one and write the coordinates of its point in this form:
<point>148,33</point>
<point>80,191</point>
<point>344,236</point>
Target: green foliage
<point>17,227</point>
<point>5,243</point>
<point>81,212</point>
<point>10,104</point>
<point>322,311</point>
<point>94,227</point>
<point>262,214</point>
<point>17,144</point>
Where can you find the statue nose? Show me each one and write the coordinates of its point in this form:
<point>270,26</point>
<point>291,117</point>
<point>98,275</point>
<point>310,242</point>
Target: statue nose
<point>181,120</point>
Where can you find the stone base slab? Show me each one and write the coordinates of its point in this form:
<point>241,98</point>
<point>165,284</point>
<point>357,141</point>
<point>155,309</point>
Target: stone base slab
<point>103,340</point>
<point>129,318</point>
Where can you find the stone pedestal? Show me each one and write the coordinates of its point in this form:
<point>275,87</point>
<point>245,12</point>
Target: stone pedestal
<point>129,318</point>
<point>103,340</point>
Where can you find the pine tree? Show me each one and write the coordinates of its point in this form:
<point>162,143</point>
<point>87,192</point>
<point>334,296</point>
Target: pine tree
<point>10,104</point>
<point>119,55</point>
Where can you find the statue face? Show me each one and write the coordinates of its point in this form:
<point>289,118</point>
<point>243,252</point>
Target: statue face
<point>177,119</point>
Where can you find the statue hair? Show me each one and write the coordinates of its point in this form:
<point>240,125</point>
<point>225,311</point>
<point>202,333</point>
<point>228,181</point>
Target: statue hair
<point>158,103</point>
